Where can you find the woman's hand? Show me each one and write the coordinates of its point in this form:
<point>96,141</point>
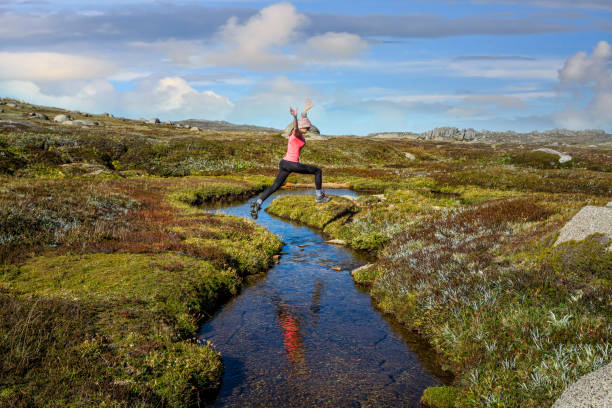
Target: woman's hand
<point>308,105</point>
<point>293,112</point>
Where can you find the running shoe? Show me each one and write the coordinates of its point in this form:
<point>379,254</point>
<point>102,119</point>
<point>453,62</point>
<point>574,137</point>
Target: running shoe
<point>254,209</point>
<point>323,198</point>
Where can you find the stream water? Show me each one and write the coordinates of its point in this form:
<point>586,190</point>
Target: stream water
<point>304,335</point>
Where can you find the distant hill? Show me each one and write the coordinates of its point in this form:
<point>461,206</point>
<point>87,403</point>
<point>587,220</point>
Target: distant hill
<point>224,126</point>
<point>550,137</point>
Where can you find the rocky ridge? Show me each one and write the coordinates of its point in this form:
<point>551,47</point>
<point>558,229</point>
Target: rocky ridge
<point>551,137</point>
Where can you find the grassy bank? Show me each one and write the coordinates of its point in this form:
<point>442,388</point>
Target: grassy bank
<point>474,272</point>
<point>462,232</point>
<point>105,282</point>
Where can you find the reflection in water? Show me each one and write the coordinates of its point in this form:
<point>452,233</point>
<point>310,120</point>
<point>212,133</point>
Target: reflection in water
<point>292,339</point>
<point>304,336</point>
<point>289,322</point>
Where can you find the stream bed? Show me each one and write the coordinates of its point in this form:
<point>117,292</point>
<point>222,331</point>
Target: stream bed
<point>305,335</point>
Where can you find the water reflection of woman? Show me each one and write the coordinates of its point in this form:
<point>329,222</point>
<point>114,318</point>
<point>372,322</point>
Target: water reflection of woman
<point>293,340</point>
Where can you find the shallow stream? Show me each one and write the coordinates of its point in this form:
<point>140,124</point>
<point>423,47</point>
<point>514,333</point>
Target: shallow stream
<point>305,335</point>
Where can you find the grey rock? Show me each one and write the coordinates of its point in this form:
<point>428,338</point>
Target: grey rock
<point>593,390</point>
<point>85,122</point>
<point>11,105</point>
<point>336,242</point>
<point>1,110</point>
<point>563,158</point>
<point>313,133</point>
<point>609,204</point>
<point>108,115</point>
<point>556,137</point>
<point>221,125</point>
<point>589,220</point>
<point>450,133</point>
<point>62,118</point>
<point>194,128</point>
<point>153,121</point>
<point>39,115</point>
<point>2,102</point>
<point>409,156</point>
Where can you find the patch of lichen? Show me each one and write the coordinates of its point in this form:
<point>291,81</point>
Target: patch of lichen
<point>439,397</point>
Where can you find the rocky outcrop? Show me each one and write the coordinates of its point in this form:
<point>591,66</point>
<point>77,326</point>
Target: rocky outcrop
<point>84,122</point>
<point>222,125</point>
<point>62,118</point>
<point>313,133</point>
<point>553,137</point>
<point>39,115</point>
<point>593,390</point>
<point>153,121</point>
<point>589,220</point>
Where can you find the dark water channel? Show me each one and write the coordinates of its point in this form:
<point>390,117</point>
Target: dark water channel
<point>304,335</point>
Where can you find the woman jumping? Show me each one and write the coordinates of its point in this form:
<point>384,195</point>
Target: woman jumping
<point>291,162</point>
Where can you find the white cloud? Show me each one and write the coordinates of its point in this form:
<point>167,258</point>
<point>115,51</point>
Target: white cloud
<point>257,44</point>
<point>167,98</point>
<point>588,74</point>
<point>174,97</point>
<point>335,46</point>
<point>584,69</point>
<point>48,66</point>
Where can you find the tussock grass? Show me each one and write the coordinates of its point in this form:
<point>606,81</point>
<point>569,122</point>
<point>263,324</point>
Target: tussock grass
<point>112,277</point>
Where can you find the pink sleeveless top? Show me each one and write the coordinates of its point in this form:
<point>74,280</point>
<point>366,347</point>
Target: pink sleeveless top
<point>293,148</point>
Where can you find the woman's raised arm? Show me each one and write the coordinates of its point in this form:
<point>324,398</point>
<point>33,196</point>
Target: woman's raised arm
<point>296,129</point>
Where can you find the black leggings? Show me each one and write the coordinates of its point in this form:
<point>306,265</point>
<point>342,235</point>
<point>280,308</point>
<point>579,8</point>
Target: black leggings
<point>285,168</point>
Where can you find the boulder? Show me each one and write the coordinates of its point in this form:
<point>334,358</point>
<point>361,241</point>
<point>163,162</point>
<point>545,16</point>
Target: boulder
<point>153,121</point>
<point>313,133</point>
<point>589,220</point>
<point>563,158</point>
<point>409,156</point>
<point>194,129</point>
<point>62,118</point>
<point>108,115</point>
<point>336,242</point>
<point>589,391</point>
<point>39,116</point>
<point>11,105</point>
<point>1,110</point>
<point>85,122</point>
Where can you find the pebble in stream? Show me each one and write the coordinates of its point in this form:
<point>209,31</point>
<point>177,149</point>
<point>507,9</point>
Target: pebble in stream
<point>304,335</point>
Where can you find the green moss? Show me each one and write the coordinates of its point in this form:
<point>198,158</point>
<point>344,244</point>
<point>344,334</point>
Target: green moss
<point>538,160</point>
<point>365,276</point>
<point>581,261</point>
<point>304,209</point>
<point>185,373</point>
<point>170,283</point>
<point>439,397</point>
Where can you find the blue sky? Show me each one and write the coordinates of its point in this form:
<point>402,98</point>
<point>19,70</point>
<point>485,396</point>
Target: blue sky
<point>367,66</point>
